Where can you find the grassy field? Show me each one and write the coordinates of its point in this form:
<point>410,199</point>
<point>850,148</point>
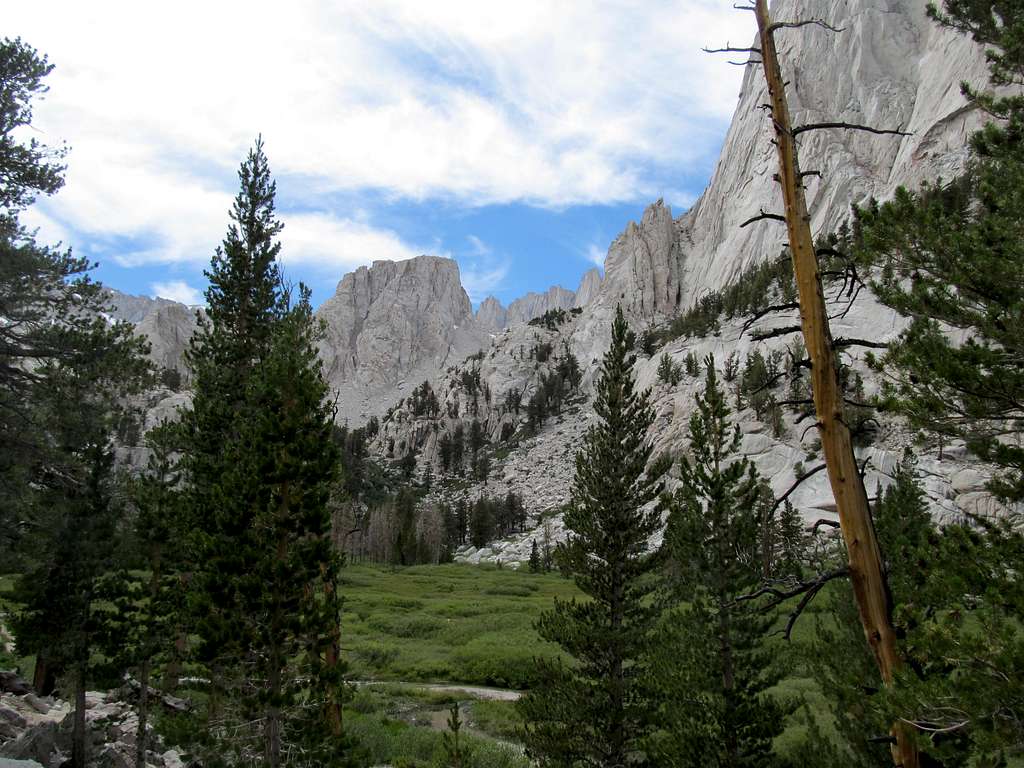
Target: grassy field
<point>474,625</point>
<point>470,624</point>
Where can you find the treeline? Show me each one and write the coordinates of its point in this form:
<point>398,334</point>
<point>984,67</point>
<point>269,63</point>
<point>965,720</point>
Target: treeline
<point>403,529</point>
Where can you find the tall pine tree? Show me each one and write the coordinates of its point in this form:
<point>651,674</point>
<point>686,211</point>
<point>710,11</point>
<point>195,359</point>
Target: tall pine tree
<point>260,464</point>
<point>596,712</point>
<point>83,402</point>
<point>714,665</point>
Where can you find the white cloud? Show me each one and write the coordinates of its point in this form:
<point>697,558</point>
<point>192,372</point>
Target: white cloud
<point>177,290</point>
<point>322,240</point>
<point>596,254</point>
<point>548,103</point>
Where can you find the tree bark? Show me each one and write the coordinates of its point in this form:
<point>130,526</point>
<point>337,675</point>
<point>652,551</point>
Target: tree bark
<point>333,659</point>
<point>44,677</point>
<point>867,573</point>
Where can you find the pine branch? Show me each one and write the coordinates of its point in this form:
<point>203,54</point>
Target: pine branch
<point>842,342</point>
<point>729,49</point>
<point>767,311</point>
<point>823,521</point>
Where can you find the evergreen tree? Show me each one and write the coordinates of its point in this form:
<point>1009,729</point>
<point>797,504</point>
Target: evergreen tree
<point>482,523</point>
<point>82,401</point>
<point>952,256</point>
<point>596,712</point>
<point>38,286</point>
<point>715,666</point>
<point>958,602</point>
<point>535,564</point>
<point>260,463</point>
<point>149,605</point>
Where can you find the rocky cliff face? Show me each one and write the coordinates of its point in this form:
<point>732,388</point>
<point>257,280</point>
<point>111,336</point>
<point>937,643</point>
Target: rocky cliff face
<point>890,67</point>
<point>392,325</point>
<point>167,325</point>
<point>590,286</point>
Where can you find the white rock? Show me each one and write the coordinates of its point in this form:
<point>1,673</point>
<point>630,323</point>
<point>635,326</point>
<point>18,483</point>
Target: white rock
<point>968,479</point>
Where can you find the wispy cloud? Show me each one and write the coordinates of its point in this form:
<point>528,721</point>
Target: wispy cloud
<point>480,248</point>
<point>595,254</point>
<point>480,282</point>
<point>470,102</point>
<point>177,290</point>
<point>482,271</point>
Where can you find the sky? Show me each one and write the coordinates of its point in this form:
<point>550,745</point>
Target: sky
<point>517,138</point>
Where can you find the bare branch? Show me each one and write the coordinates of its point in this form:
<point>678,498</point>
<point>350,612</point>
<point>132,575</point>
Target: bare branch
<point>762,216</point>
<point>772,28</point>
<point>823,521</point>
<point>730,49</point>
<point>767,311</point>
<point>745,63</point>
<point>775,333</point>
<point>780,594</point>
<point>847,127</point>
<point>841,342</point>
<point>799,481</point>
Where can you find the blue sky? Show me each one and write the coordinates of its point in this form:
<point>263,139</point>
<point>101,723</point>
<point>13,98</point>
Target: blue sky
<point>518,139</point>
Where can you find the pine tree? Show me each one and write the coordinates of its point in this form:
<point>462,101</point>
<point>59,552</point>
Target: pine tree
<point>149,604</point>
<point>38,285</point>
<point>535,564</point>
<point>260,464</point>
<point>82,401</point>
<point>595,712</point>
<point>951,255</point>
<point>715,666</point>
<point>482,524</point>
<point>959,601</point>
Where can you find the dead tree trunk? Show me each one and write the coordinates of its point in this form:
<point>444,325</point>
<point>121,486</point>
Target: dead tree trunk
<point>867,573</point>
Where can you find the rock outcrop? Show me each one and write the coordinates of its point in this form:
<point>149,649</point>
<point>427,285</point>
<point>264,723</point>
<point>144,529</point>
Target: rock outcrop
<point>168,325</point>
<point>392,325</point>
<point>491,316</point>
<point>124,306</point>
<point>532,305</point>
<point>36,733</point>
<point>590,286</point>
<point>890,67</point>
<point>169,328</point>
